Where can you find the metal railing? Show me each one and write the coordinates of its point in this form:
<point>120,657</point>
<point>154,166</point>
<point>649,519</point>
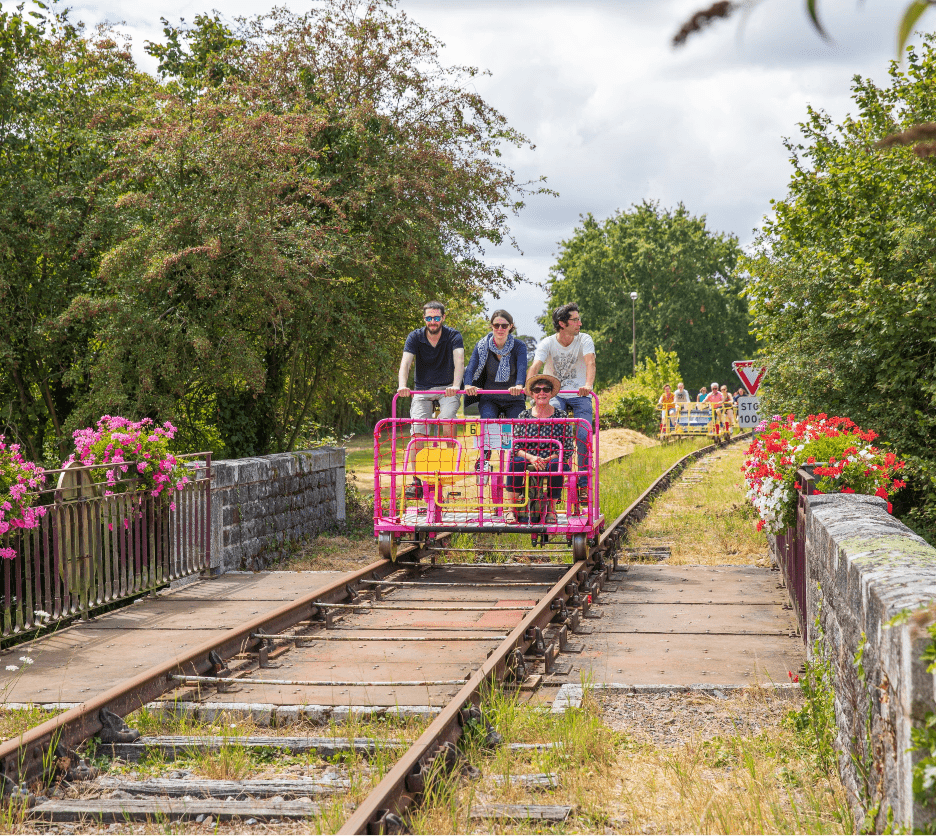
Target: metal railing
<point>791,553</point>
<point>91,550</point>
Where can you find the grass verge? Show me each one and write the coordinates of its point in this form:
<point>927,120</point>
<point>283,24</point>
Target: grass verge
<point>765,781</point>
<point>624,480</point>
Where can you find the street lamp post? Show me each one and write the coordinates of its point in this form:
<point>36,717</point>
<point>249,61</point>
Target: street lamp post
<point>633,297</point>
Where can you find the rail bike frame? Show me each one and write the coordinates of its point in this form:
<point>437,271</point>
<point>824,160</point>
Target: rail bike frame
<point>683,420</point>
<point>459,490</point>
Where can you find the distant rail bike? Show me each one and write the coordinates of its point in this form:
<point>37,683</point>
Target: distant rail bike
<point>465,476</point>
<point>683,420</point>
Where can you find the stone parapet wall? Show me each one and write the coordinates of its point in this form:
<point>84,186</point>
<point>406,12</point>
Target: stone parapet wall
<point>260,505</point>
<point>871,585</point>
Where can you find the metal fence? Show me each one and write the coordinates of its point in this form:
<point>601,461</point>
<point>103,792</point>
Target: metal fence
<point>791,553</point>
<point>91,550</point>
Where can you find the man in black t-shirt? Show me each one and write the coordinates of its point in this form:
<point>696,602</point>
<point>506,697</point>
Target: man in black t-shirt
<point>439,356</point>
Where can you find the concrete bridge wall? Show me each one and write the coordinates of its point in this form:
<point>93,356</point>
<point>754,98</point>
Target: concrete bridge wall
<point>260,505</point>
<point>871,588</point>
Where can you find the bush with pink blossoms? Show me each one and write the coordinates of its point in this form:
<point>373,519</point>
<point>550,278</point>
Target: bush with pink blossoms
<point>134,457</point>
<point>19,483</point>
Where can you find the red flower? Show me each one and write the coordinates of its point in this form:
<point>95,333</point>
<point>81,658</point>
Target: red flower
<point>848,490</point>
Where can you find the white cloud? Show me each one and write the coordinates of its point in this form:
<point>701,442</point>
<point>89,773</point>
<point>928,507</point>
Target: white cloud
<point>617,115</point>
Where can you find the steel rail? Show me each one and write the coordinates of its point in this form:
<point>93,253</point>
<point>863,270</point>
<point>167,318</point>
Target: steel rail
<point>24,758</point>
<point>392,796</point>
<point>367,605</point>
<point>319,683</point>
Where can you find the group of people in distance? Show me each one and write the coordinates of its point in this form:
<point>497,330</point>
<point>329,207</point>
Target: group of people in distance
<point>497,379</point>
<point>716,396</point>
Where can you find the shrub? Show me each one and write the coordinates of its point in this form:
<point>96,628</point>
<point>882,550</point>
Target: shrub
<point>636,412</point>
<point>19,480</point>
<point>632,402</point>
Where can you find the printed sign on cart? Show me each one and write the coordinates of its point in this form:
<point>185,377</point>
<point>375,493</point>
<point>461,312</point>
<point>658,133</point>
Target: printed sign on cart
<point>748,411</point>
<point>498,436</point>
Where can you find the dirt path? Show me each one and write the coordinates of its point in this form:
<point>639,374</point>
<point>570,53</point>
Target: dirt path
<point>619,442</point>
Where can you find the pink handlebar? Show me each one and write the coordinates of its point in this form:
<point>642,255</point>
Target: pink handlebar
<point>502,392</point>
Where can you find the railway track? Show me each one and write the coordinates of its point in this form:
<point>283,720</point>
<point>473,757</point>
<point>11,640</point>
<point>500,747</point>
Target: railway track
<point>426,638</point>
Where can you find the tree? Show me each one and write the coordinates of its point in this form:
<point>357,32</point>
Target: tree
<point>842,286</point>
<point>688,291</point>
<point>63,95</point>
<point>298,188</point>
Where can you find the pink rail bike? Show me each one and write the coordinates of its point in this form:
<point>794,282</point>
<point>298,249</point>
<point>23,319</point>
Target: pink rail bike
<point>456,480</point>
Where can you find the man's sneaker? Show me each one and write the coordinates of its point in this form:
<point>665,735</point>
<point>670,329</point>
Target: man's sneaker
<point>583,495</point>
<point>414,491</point>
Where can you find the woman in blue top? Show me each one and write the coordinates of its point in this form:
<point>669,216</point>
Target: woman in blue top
<point>499,361</point>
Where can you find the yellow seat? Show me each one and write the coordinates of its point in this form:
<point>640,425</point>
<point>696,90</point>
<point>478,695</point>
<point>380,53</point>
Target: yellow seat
<point>431,460</point>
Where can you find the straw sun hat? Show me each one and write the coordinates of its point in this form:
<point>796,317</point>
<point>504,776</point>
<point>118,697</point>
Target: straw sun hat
<point>552,381</point>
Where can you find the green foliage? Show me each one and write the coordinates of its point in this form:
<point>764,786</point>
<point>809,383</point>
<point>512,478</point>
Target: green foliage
<point>63,95</point>
<point>277,232</point>
<point>632,402</point>
<point>688,290</point>
<point>923,738</point>
<point>816,719</point>
<point>633,411</point>
<point>842,286</point>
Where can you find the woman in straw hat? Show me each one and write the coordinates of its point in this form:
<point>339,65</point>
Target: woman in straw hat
<point>541,456</point>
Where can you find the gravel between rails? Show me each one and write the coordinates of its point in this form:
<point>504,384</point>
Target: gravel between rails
<point>669,720</point>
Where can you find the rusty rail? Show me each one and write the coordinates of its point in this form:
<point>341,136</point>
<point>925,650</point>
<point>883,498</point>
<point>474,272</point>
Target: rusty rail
<point>21,758</point>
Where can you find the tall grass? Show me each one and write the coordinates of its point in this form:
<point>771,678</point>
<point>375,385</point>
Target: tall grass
<point>764,782</point>
<point>626,479</point>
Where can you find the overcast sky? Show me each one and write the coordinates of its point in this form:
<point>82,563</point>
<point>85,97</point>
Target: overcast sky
<point>617,115</point>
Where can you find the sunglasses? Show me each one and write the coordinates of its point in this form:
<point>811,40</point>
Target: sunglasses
<point>499,325</point>
<point>541,389</point>
<point>433,319</point>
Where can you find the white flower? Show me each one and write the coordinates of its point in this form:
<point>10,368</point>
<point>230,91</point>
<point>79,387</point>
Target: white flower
<point>26,659</point>
<point>41,614</point>
<point>12,667</point>
<point>929,777</point>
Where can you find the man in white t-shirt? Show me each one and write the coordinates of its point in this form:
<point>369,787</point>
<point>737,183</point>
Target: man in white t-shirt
<point>570,356</point>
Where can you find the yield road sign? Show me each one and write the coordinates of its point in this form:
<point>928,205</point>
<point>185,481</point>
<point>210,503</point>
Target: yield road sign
<point>751,374</point>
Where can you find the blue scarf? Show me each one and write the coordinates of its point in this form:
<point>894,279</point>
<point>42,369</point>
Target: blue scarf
<point>503,354</point>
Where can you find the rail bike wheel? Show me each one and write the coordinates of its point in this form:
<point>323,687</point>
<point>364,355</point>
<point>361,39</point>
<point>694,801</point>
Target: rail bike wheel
<point>387,546</point>
<point>579,547</point>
